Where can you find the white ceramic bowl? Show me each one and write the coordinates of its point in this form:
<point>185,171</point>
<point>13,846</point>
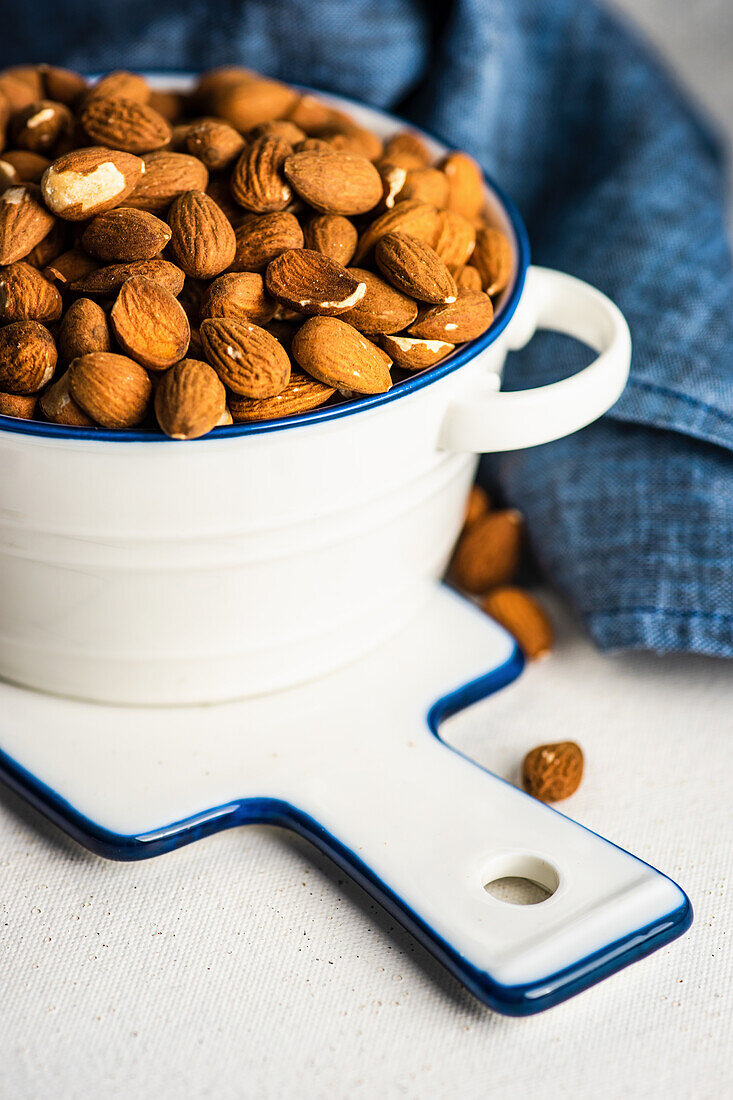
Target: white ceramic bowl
<point>138,570</point>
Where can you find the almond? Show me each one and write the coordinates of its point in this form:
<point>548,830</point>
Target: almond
<point>241,296</point>
<point>58,406</point>
<point>415,268</point>
<point>465,319</point>
<point>382,308</point>
<point>83,329</point>
<point>125,235</point>
<point>245,103</point>
<point>477,505</point>
<point>487,553</point>
<point>415,219</point>
<point>167,175</point>
<point>190,400</point>
<point>456,239</point>
<point>468,278</point>
<point>247,359</point>
<point>203,240</point>
<point>425,185</point>
<point>466,185</point>
<point>309,282</point>
<point>553,771</point>
<point>106,281</point>
<point>523,617</point>
<point>411,353</point>
<point>338,355</point>
<point>348,137</point>
<point>332,235</point>
<point>40,126</point>
<point>124,124</point>
<point>168,104</point>
<point>120,85</point>
<point>52,246</point>
<point>335,183</point>
<point>150,324</point>
<point>27,357</point>
<point>407,149</point>
<point>493,259</point>
<point>63,85</point>
<point>29,167</point>
<point>312,114</point>
<point>26,296</point>
<point>257,182</point>
<point>259,240</point>
<point>393,180</point>
<point>278,127</point>
<point>18,92</point>
<point>112,389</point>
<point>20,405</point>
<point>214,142</point>
<point>87,182</point>
<point>301,394</point>
<point>24,222</point>
<point>69,266</point>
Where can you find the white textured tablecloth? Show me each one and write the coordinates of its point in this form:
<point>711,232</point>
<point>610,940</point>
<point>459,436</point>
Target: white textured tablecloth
<point>246,966</point>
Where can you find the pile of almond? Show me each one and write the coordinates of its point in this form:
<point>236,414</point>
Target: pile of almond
<point>238,253</point>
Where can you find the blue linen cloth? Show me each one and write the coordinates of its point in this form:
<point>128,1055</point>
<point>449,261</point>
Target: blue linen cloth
<point>619,181</point>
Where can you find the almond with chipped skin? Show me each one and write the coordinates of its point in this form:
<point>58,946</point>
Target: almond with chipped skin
<point>412,353</point>
<point>308,282</point>
<point>87,182</point>
<point>465,319</point>
<point>382,308</point>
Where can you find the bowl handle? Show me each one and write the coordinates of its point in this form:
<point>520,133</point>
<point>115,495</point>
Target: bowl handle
<point>489,421</point>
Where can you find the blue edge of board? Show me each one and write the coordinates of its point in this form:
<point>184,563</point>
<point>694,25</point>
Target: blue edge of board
<point>518,1000</point>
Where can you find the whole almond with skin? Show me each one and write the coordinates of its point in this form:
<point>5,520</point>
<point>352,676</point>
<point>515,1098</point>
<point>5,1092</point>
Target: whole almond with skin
<point>214,142</point>
<point>408,149</point>
<point>112,389</point>
<point>456,239</point>
<point>106,281</point>
<point>465,319</point>
<point>309,282</point>
<point>415,268</point>
<point>382,308</point>
<point>190,400</point>
<point>412,353</point>
<point>311,114</point>
<point>337,354</point>
<point>247,102</point>
<point>302,394</point>
<point>261,239</point>
<point>63,85</point>
<point>168,104</point>
<point>348,137</point>
<point>487,554</point>
<point>425,185</point>
<point>523,617</point>
<point>24,222</point>
<point>468,278</point>
<point>52,245</point>
<point>20,405</point>
<point>466,184</point>
<point>27,357</point>
<point>17,92</point>
<point>333,235</point>
<point>477,505</point>
<point>257,181</point>
<point>493,259</point>
<point>120,85</point>
<point>83,329</point>
<point>247,359</point>
<point>278,127</point>
<point>414,219</point>
<point>150,324</point>
<point>70,266</point>
<point>26,296</point>
<point>124,234</point>
<point>313,145</point>
<point>241,296</point>
<point>167,175</point>
<point>553,771</point>
<point>202,239</point>
<point>41,125</point>
<point>58,406</point>
<point>87,182</point>
<point>125,124</point>
<point>29,167</point>
<point>335,183</point>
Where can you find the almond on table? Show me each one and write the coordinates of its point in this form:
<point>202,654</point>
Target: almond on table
<point>243,250</point>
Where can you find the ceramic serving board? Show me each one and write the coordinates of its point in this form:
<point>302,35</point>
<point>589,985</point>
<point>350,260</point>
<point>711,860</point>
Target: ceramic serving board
<point>355,763</point>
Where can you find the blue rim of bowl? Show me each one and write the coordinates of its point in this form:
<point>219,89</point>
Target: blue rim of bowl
<point>324,414</point>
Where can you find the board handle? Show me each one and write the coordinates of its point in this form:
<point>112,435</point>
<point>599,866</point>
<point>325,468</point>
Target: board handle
<point>424,830</point>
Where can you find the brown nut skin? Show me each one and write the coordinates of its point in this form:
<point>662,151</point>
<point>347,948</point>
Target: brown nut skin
<point>553,771</point>
<point>58,406</point>
<point>20,405</point>
<point>27,357</point>
<point>112,389</point>
<point>523,617</point>
<point>488,552</point>
<point>190,400</point>
<point>83,329</point>
<point>26,296</point>
<point>150,324</point>
<point>477,505</point>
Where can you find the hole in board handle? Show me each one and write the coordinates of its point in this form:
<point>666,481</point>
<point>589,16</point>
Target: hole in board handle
<point>518,878</point>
